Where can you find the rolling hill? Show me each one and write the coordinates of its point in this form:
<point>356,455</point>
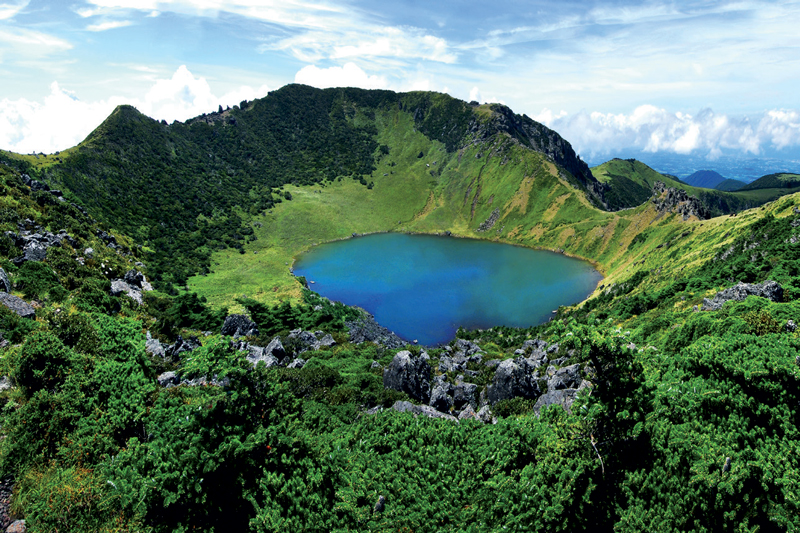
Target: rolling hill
<point>707,179</point>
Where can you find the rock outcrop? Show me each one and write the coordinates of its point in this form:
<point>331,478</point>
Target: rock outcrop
<point>239,326</point>
<point>770,290</point>
<point>5,283</point>
<point>409,374</point>
<point>672,200</point>
<point>132,285</point>
<point>365,329</point>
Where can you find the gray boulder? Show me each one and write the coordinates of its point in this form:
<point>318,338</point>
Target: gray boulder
<point>768,289</point>
<point>513,378</point>
<point>239,326</point>
<point>5,284</point>
<point>568,377</point>
<point>365,329</point>
<point>468,413</point>
<point>311,341</point>
<point>19,306</point>
<point>154,346</point>
<point>271,355</point>
<point>34,251</point>
<point>562,397</point>
<point>297,363</point>
<point>168,379</point>
<point>441,398</point>
<point>409,374</point>
<point>134,278</point>
<point>5,383</point>
<point>119,287</point>
<point>465,394</point>
<point>485,415</point>
<point>324,340</point>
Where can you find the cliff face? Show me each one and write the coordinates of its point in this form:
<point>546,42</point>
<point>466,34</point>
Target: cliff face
<point>671,200</point>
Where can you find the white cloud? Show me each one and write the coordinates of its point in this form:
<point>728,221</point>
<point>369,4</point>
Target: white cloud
<point>30,43</point>
<point>62,120</point>
<point>110,25</point>
<point>476,95</point>
<point>350,75</point>
<point>9,9</point>
<point>653,129</point>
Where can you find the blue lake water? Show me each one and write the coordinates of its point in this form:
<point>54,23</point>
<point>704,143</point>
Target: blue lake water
<point>424,287</point>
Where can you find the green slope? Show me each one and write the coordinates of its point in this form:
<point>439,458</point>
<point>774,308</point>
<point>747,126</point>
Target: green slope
<point>730,185</point>
<point>631,183</point>
<point>774,181</point>
<point>184,190</point>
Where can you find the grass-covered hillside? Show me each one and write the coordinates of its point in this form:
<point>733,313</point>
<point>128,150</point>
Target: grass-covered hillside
<point>630,183</point>
<point>665,402</point>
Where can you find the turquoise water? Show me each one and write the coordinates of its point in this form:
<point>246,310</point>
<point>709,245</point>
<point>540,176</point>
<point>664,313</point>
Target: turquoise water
<point>424,287</point>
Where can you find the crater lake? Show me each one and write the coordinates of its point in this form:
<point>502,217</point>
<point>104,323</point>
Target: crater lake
<point>423,287</point>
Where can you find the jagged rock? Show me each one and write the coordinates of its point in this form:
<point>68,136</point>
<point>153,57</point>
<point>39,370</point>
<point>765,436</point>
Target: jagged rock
<point>441,398</point>
<point>33,251</point>
<point>311,341</point>
<point>134,278</point>
<point>489,223</point>
<point>493,363</point>
<point>182,345</point>
<point>468,413</point>
<point>365,329</point>
<point>790,326</point>
<point>375,364</point>
<point>568,377</point>
<point>271,355</point>
<point>19,306</point>
<point>5,383</point>
<point>119,287</point>
<point>672,200</point>
<point>465,394</point>
<point>513,378</point>
<point>239,326</point>
<point>562,397</point>
<point>468,347</point>
<point>297,363</point>
<point>5,284</point>
<point>425,410</point>
<point>768,289</point>
<point>485,415</point>
<point>154,347</point>
<point>409,374</point>
<point>168,379</point>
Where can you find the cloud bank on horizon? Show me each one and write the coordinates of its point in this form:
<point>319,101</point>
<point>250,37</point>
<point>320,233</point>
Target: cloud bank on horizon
<point>681,77</point>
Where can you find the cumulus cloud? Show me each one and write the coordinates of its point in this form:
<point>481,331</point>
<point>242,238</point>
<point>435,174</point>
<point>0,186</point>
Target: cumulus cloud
<point>652,129</point>
<point>63,120</point>
<point>350,75</point>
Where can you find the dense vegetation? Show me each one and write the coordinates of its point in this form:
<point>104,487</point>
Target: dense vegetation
<point>690,422</point>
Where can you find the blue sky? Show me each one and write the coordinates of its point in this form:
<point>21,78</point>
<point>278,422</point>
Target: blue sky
<point>703,78</point>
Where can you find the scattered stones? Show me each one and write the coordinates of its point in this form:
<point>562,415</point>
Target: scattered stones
<point>562,397</point>
<point>768,289</point>
<point>132,285</point>
<point>306,340</point>
<point>468,413</point>
<point>513,378</point>
<point>154,347</point>
<point>18,305</point>
<point>182,345</point>
<point>409,374</point>
<point>6,489</point>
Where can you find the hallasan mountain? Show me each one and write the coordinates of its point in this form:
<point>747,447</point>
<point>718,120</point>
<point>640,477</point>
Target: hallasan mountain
<point>163,370</point>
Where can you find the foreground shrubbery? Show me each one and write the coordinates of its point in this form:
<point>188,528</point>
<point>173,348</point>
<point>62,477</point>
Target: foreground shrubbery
<point>691,423</point>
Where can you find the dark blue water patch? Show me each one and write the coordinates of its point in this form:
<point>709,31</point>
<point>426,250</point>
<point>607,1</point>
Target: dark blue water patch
<point>424,287</point>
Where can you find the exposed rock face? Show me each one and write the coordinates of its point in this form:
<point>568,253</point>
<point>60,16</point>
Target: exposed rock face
<point>409,374</point>
<point>366,329</point>
<point>19,306</point>
<point>465,395</point>
<point>239,326</point>
<point>671,200</point>
<point>768,289</point>
<point>34,244</point>
<point>563,397</point>
<point>272,355</point>
<point>489,223</point>
<point>441,398</point>
<point>5,284</point>
<point>168,379</point>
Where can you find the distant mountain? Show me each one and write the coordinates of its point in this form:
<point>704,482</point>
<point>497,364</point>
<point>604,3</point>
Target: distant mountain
<point>774,181</point>
<point>708,179</point>
<point>730,185</point>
